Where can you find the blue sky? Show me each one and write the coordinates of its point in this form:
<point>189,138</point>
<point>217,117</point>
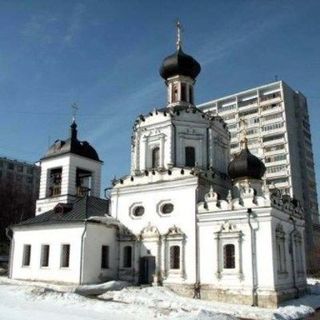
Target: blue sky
<point>105,56</point>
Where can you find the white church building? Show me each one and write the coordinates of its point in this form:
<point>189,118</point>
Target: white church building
<point>184,217</point>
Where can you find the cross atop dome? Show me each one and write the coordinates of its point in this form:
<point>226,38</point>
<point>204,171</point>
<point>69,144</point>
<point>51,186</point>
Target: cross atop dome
<point>179,70</point>
<point>179,31</point>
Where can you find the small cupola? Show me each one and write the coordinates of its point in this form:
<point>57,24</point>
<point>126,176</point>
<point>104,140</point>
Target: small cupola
<point>179,70</point>
<point>246,165</point>
<point>179,64</point>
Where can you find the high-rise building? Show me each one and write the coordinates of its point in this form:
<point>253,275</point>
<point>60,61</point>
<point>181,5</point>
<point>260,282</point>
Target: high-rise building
<point>19,188</point>
<point>275,120</point>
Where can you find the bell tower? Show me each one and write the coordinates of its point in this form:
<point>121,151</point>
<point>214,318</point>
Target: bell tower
<point>70,169</point>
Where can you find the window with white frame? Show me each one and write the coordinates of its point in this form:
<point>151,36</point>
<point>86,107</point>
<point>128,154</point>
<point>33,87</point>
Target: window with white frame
<point>45,251</point>
<point>26,258</point>
<point>229,260</point>
<point>65,256</point>
<point>155,157</point>
<point>175,257</point>
<point>190,156</point>
<point>175,241</point>
<point>229,251</point>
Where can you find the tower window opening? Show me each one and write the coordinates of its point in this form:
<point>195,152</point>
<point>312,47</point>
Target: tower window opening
<point>190,95</point>
<point>190,155</point>
<point>155,157</point>
<point>183,92</point>
<point>175,93</point>
<point>175,257</point>
<point>229,256</point>
<point>83,182</point>
<point>55,177</point>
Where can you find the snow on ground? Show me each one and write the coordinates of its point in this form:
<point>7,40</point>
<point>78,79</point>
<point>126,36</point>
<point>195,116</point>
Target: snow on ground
<point>94,290</point>
<point>51,302</point>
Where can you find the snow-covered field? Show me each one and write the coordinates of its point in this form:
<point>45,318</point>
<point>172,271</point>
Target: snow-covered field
<point>19,299</point>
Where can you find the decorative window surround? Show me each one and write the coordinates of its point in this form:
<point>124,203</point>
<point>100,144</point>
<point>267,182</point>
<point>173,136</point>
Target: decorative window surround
<point>229,234</point>
<point>160,206</point>
<point>298,248</point>
<point>134,207</point>
<point>175,237</point>
<point>281,252</point>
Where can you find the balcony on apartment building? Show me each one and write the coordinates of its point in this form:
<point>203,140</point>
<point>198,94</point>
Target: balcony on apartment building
<point>270,98</point>
<point>273,140</point>
<point>271,108</point>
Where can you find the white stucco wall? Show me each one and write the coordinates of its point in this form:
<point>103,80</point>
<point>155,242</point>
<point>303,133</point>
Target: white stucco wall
<point>54,236</point>
<point>95,237</point>
<point>182,194</point>
<point>264,221</point>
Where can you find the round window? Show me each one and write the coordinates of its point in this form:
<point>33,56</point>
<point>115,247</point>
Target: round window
<point>167,208</point>
<point>138,211</point>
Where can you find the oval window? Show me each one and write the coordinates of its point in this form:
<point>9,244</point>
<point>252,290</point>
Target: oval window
<point>167,208</point>
<point>138,211</point>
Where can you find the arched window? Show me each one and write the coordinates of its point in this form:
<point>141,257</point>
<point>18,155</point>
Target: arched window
<point>174,93</point>
<point>155,157</point>
<point>127,257</point>
<point>174,257</point>
<point>190,155</point>
<point>229,261</point>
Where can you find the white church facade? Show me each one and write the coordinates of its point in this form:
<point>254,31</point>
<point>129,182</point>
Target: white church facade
<point>185,217</point>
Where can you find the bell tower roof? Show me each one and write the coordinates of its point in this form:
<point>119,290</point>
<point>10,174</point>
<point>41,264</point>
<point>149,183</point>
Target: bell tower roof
<point>72,145</point>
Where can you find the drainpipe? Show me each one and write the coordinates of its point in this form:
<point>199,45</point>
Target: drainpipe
<point>197,287</point>
<point>175,144</point>
<point>105,192</point>
<point>10,237</point>
<point>82,251</point>
<point>208,157</point>
<point>292,258</point>
<point>82,242</point>
<point>253,260</point>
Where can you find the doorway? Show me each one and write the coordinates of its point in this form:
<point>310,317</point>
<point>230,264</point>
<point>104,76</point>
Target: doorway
<point>147,269</point>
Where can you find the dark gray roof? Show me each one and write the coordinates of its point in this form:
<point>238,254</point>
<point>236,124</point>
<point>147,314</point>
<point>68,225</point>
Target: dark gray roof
<point>245,164</point>
<point>179,63</point>
<point>81,210</point>
<point>72,145</point>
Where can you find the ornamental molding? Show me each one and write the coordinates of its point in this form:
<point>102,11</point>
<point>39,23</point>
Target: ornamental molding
<point>150,232</point>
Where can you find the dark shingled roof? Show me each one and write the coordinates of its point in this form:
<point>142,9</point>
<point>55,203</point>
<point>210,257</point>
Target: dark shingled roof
<point>245,164</point>
<point>81,210</point>
<point>179,63</point>
<point>72,145</point>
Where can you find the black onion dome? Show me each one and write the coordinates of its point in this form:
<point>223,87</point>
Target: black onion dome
<point>179,63</point>
<point>245,164</point>
<point>72,145</point>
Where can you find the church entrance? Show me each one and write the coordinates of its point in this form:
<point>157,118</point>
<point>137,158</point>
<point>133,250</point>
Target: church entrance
<point>147,269</point>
